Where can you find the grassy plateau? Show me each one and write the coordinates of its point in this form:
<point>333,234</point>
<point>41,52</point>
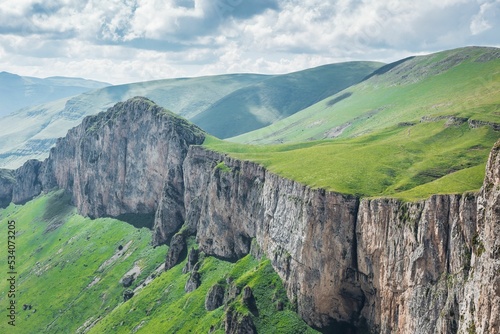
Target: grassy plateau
<point>420,126</point>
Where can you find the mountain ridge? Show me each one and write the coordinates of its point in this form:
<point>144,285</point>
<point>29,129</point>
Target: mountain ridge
<point>18,92</point>
<point>333,269</point>
<point>461,82</point>
<point>29,133</point>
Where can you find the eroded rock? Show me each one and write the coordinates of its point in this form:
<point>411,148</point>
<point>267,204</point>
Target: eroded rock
<point>215,297</point>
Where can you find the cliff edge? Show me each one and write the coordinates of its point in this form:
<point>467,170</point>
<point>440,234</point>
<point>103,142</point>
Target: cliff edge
<point>370,265</point>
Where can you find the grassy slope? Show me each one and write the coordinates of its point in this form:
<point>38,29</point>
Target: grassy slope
<point>57,265</point>
<point>452,82</point>
<point>268,101</point>
<point>386,150</point>
<point>29,133</point>
<point>387,163</point>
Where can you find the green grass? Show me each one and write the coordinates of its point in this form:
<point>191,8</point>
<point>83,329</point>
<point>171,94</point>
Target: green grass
<point>59,254</point>
<point>164,307</point>
<point>420,87</point>
<point>270,100</point>
<point>409,162</point>
<point>393,133</point>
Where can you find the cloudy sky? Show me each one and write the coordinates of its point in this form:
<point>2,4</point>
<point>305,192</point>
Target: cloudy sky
<point>122,41</point>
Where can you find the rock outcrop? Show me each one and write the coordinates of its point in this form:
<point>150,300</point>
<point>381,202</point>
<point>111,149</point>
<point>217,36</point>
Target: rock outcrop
<point>236,323</point>
<point>431,266</point>
<point>193,282</point>
<point>215,297</point>
<point>125,163</point>
<point>192,261</point>
<point>7,181</point>
<point>176,251</point>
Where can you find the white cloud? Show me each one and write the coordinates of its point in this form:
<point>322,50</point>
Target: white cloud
<point>489,12</point>
<point>148,39</point>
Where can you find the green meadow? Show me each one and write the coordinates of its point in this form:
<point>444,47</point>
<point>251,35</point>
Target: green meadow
<point>422,126</point>
<point>407,162</point>
<point>69,270</point>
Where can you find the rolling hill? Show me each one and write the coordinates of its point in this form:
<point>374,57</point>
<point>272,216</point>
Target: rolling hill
<point>211,102</point>
<point>462,83</point>
<point>278,97</point>
<point>420,126</point>
<point>18,92</point>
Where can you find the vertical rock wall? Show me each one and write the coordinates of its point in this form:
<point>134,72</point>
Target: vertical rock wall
<point>431,266</point>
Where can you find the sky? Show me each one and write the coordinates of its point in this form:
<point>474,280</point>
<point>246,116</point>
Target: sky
<point>121,41</point>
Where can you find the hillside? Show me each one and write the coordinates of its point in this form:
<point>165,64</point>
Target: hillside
<point>278,97</point>
<point>18,92</point>
<point>417,127</point>
<point>462,83</point>
<point>29,133</point>
<point>73,273</point>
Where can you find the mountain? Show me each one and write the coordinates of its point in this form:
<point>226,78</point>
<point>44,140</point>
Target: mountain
<point>18,92</point>
<point>418,127</point>
<point>462,83</point>
<point>30,132</point>
<point>346,264</point>
<point>209,102</point>
<point>278,97</point>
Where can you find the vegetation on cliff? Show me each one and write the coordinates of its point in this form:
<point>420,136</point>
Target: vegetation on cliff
<point>72,275</point>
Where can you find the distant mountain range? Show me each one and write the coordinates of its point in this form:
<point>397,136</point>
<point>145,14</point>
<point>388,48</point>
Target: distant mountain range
<point>224,105</point>
<point>461,83</point>
<point>17,92</point>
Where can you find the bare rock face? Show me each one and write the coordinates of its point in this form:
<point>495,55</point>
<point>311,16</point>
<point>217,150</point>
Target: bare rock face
<point>175,252</point>
<point>307,234</point>
<point>215,297</point>
<point>125,163</point>
<point>480,307</point>
<point>423,267</point>
<point>236,323</point>
<point>127,160</point>
<point>28,183</point>
<point>192,261</point>
<point>193,282</point>
<point>7,181</point>
<point>413,260</point>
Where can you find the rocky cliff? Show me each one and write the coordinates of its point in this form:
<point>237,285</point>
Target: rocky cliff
<point>125,163</point>
<point>369,265</point>
<point>392,267</point>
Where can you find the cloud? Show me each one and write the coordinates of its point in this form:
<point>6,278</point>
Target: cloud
<point>489,13</point>
<point>144,39</point>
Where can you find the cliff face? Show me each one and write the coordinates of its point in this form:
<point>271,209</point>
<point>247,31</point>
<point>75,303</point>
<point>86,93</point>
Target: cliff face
<point>307,234</point>
<point>481,303</point>
<point>126,163</point>
<point>427,267</point>
<point>424,267</point>
<point>415,258</point>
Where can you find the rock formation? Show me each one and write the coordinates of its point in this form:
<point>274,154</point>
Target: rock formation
<point>431,266</point>
<point>214,298</point>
